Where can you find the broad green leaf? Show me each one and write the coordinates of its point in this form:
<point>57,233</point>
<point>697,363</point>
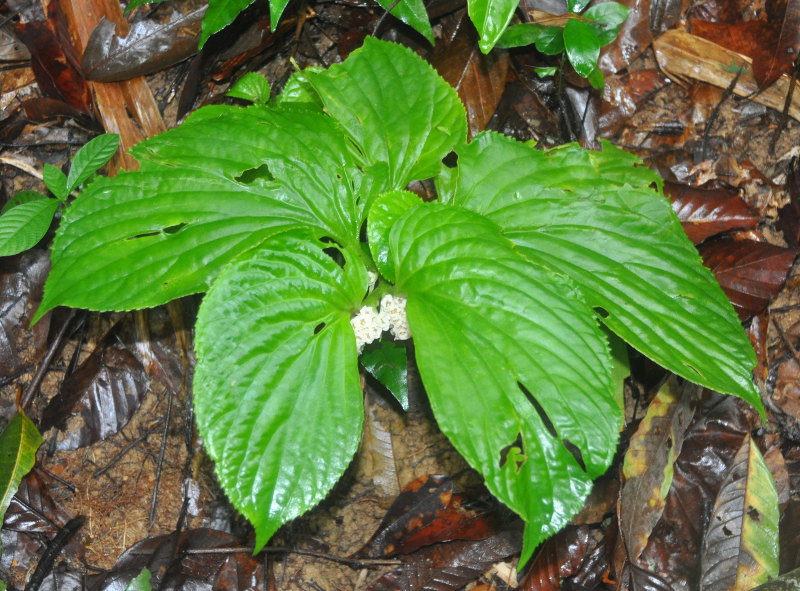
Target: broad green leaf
<point>22,197</point>
<point>55,181</point>
<point>141,582</point>
<point>490,17</point>
<point>609,16</point>
<point>251,87</point>
<point>146,237</point>
<point>387,362</point>
<point>91,157</point>
<point>515,366</point>
<point>298,90</point>
<point>582,46</point>
<point>521,35</point>
<point>410,131</point>
<point>382,214</point>
<point>551,41</point>
<point>412,13</point>
<point>277,392</point>
<point>221,13</point>
<point>19,441</point>
<point>571,211</point>
<point>21,227</point>
<point>741,546</point>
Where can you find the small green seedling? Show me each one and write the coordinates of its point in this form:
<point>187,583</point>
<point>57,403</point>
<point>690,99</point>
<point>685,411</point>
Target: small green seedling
<point>294,218</point>
<point>581,38</point>
<point>26,217</point>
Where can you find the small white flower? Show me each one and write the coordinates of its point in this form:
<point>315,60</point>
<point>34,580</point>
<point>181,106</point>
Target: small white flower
<point>395,308</point>
<point>367,325</point>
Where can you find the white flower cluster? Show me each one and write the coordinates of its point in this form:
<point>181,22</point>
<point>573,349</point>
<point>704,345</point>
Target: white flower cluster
<point>370,323</point>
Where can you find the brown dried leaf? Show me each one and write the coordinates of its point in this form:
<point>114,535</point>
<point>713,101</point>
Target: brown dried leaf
<point>706,213</point>
<point>148,47</point>
<point>750,273</point>
<point>634,38</point>
<point>789,216</point>
<point>559,557</point>
<point>648,464</point>
<point>479,78</point>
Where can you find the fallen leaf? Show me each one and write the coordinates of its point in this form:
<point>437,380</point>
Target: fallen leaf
<point>789,215</point>
<point>750,273</point>
<point>558,558</point>
<point>706,213</point>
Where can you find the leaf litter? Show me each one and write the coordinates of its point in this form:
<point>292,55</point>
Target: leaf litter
<point>694,135</point>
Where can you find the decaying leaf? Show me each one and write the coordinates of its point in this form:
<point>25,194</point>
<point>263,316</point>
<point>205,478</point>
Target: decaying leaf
<point>148,47</point>
<point>750,273</point>
<point>648,465</point>
<point>558,557</point>
<point>705,213</point>
<point>740,548</point>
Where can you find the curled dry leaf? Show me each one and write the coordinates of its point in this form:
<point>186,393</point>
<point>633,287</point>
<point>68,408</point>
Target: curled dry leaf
<point>558,557</point>
<point>750,273</point>
<point>705,213</point>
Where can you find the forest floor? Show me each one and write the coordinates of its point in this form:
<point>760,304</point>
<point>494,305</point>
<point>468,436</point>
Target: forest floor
<point>111,393</point>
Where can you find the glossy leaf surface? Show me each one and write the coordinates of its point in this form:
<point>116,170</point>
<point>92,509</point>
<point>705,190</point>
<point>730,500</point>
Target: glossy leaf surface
<point>277,377</point>
<point>574,225</point>
<point>94,154</point>
<point>21,227</point>
<point>412,13</point>
<point>19,441</point>
<point>487,325</point>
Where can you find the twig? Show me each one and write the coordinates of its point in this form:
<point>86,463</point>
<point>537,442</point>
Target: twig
<point>712,119</point>
<point>22,165</point>
<point>383,18</point>
<point>53,550</point>
<point>351,562</point>
<point>142,437</point>
<point>33,387</point>
<point>160,463</point>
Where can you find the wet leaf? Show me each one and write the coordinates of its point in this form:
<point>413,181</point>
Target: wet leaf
<point>740,548</point>
<point>750,273</point>
<point>557,558</point>
<point>19,441</point>
<point>101,396</point>
<point>648,464</point>
<point>251,87</point>
<point>412,13</point>
<point>705,213</point>
<point>141,582</point>
<point>55,74</point>
<point>645,580</point>
<point>148,47</point>
<point>21,282</point>
<point>448,567</point>
<point>582,45</point>
<point>789,215</point>
<point>387,362</point>
<point>783,16</point>
<point>479,78</point>
<point>92,155</point>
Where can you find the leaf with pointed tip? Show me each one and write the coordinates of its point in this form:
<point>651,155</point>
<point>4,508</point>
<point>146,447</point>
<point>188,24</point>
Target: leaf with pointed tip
<point>490,17</point>
<point>492,328</point>
<point>411,131</point>
<point>141,582</point>
<point>582,46</point>
<point>251,87</point>
<point>21,227</point>
<point>221,13</point>
<point>277,379</point>
<point>19,441</point>
<point>740,547</point>
<point>164,231</point>
<point>621,244</point>
<point>94,154</point>
<point>387,362</point>
<point>412,13</point>
<point>55,180</point>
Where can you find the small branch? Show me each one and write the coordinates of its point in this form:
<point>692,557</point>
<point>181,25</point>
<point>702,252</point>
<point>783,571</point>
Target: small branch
<point>351,562</point>
<point>33,387</point>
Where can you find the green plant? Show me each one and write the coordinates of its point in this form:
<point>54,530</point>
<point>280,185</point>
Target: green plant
<point>26,217</point>
<point>501,283</point>
<point>599,24</point>
<point>581,38</point>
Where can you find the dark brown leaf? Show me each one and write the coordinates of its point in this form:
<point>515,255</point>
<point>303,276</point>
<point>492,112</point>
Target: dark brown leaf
<point>102,394</point>
<point>41,109</point>
<point>426,512</point>
<point>448,567</point>
<point>55,73</point>
<point>645,580</point>
<point>784,17</point>
<point>704,214</point>
<point>559,557</point>
<point>148,47</point>
<point>623,94</point>
<point>634,37</point>
<point>21,282</point>
<point>750,273</point>
<point>480,79</point>
<point>173,566</point>
<point>789,215</point>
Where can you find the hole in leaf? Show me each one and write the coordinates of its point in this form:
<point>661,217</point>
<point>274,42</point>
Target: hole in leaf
<point>695,370</point>
<point>516,451</point>
<point>548,424</point>
<point>319,328</point>
<point>602,312</point>
<point>175,229</point>
<point>334,252</point>
<point>753,513</point>
<point>576,453</point>
<point>253,174</point>
<point>451,160</point>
